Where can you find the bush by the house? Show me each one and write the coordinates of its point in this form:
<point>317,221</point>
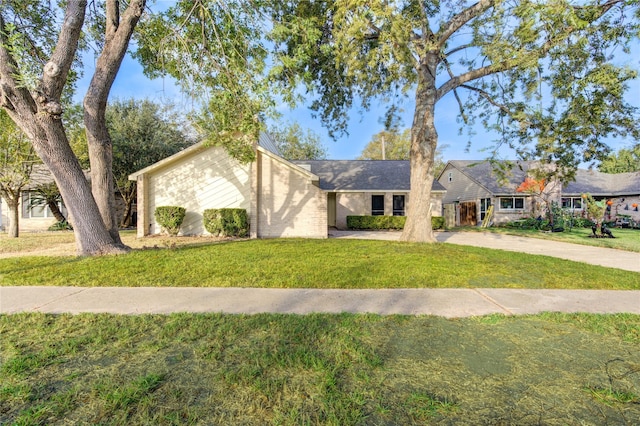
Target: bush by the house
<point>170,218</point>
<point>226,222</point>
<point>437,222</point>
<point>386,222</point>
<point>61,226</point>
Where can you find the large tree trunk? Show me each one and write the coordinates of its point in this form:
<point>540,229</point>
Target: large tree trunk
<point>38,114</point>
<point>424,140</point>
<point>118,32</point>
<point>92,237</point>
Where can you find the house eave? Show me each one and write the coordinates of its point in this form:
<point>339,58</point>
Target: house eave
<point>162,163</point>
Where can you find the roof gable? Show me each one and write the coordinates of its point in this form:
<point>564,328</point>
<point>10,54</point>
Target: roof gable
<point>483,173</point>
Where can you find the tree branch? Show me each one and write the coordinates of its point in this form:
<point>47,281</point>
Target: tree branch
<point>459,20</point>
<point>56,70</point>
<point>458,49</point>
<point>113,16</point>
<point>552,41</point>
<point>113,52</point>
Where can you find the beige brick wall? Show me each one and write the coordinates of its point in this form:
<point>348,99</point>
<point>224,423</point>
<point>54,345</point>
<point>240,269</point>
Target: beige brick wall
<point>359,204</point>
<point>206,179</point>
<point>289,203</point>
<point>351,204</point>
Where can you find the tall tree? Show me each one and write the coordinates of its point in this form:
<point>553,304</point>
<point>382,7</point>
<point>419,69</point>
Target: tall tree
<point>16,163</point>
<point>623,161</point>
<point>296,144</point>
<point>388,145</point>
<point>142,133</point>
<point>397,146</point>
<point>499,59</point>
<point>37,50</point>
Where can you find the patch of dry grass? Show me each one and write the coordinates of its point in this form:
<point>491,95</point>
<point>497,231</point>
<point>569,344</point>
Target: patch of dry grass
<point>62,243</point>
<point>319,369</point>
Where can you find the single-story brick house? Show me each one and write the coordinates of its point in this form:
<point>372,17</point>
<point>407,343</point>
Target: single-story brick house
<point>473,186</point>
<point>283,198</point>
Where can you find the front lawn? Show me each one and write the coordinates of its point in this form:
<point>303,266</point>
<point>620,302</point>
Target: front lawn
<point>332,263</point>
<point>319,369</point>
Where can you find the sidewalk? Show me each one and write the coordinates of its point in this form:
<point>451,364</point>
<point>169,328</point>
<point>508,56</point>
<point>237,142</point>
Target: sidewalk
<point>450,303</point>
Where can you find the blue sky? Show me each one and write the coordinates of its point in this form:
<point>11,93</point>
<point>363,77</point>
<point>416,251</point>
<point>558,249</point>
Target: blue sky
<point>131,83</point>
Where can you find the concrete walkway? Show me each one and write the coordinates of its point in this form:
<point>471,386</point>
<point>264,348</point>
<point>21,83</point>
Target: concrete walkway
<point>449,303</point>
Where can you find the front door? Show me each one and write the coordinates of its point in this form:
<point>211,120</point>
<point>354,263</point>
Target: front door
<point>331,209</point>
<point>468,216</point>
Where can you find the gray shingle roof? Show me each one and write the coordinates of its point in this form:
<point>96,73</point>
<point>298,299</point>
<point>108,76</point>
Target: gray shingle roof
<point>586,181</point>
<point>603,184</point>
<point>363,175</point>
<point>483,172</point>
<point>266,141</point>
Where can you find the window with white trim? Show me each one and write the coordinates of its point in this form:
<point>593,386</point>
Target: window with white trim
<point>511,203</point>
<point>31,210</point>
<point>574,203</point>
<point>485,203</point>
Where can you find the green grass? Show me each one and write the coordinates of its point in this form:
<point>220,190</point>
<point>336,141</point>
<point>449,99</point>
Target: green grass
<point>332,263</point>
<point>626,239</point>
<point>319,369</point>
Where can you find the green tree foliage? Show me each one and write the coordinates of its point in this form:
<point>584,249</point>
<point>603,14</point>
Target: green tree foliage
<point>214,51</point>
<point>623,161</point>
<point>538,72</point>
<point>142,133</point>
<point>17,158</point>
<point>396,146</point>
<point>296,144</point>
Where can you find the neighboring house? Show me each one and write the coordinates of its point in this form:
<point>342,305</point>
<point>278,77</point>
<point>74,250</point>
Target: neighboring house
<point>473,186</point>
<point>38,217</point>
<point>283,198</point>
<point>32,217</point>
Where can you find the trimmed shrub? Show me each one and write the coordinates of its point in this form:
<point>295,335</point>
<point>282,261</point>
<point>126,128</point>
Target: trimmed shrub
<point>437,222</point>
<point>61,226</point>
<point>170,218</point>
<point>226,222</point>
<point>386,222</point>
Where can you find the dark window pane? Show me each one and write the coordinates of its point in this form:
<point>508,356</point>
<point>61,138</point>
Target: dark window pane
<point>506,203</point>
<point>377,205</point>
<point>519,203</point>
<point>398,205</point>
